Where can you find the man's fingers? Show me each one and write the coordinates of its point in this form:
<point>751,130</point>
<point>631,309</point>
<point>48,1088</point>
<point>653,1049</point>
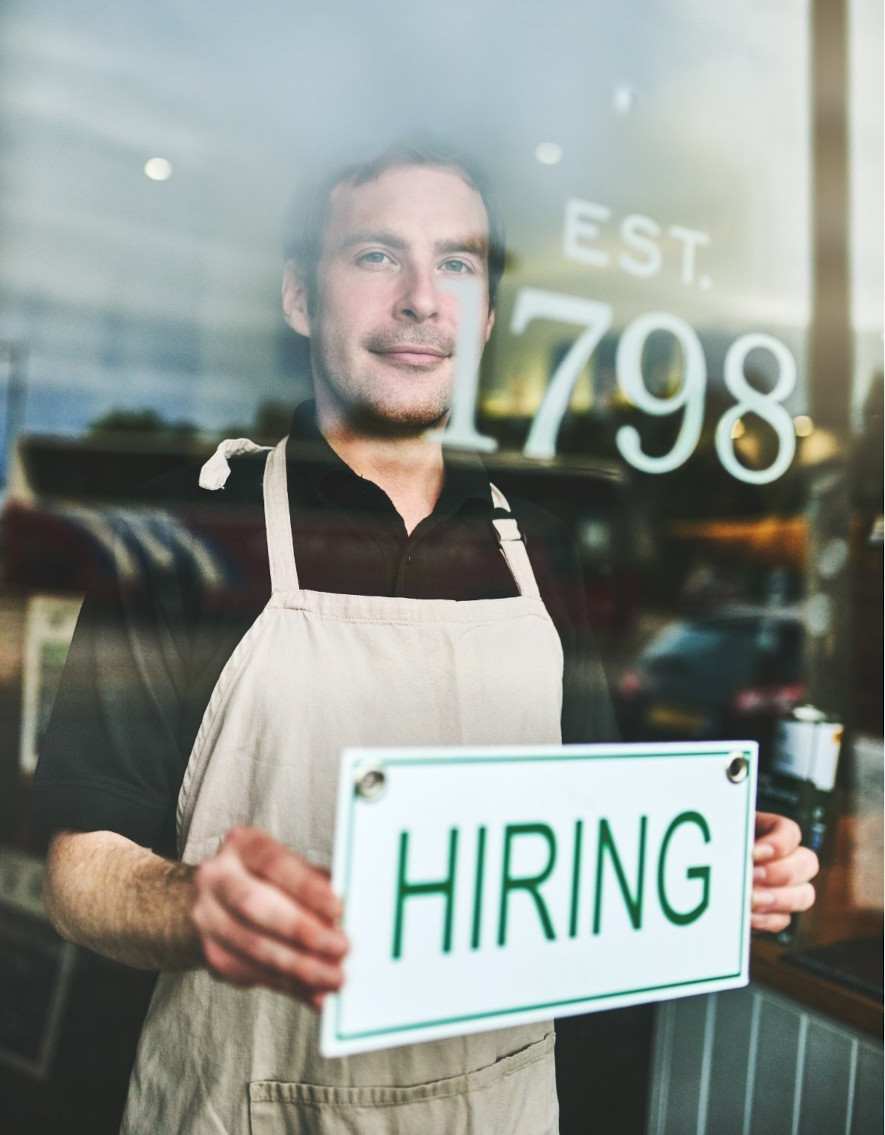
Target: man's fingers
<point>771,923</point>
<point>776,837</point>
<point>263,907</point>
<point>271,859</point>
<point>800,866</point>
<point>279,964</point>
<point>237,970</point>
<point>783,899</point>
<point>230,966</point>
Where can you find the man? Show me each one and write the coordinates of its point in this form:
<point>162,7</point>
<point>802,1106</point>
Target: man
<point>359,643</point>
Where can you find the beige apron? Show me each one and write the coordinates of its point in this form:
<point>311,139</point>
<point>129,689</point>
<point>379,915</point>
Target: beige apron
<point>316,672</point>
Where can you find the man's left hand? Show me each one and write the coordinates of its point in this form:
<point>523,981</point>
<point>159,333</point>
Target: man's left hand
<point>782,873</point>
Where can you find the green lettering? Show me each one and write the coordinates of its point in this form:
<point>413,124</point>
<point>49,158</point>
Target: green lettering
<point>405,889</point>
<point>633,903</point>
<point>675,916</point>
<point>528,883</point>
<point>477,891</point>
<point>576,879</point>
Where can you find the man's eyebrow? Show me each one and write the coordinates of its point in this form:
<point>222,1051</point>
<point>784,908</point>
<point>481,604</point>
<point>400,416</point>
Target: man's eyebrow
<point>478,246</point>
<point>390,240</point>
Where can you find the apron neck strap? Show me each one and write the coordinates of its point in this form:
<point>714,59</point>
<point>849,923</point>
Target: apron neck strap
<point>280,553</point>
<point>513,549</point>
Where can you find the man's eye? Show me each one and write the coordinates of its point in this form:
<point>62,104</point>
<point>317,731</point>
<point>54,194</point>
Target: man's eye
<point>373,257</point>
<point>456,265</point>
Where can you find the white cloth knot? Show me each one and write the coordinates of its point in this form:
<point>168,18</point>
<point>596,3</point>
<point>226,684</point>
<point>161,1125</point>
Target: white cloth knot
<point>216,471</point>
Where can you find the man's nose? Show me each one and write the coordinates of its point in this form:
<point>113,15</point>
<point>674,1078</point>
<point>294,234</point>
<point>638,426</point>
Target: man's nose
<point>419,298</point>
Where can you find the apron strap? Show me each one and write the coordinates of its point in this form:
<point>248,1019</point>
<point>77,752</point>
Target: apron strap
<point>513,549</point>
<point>280,553</point>
<point>215,472</point>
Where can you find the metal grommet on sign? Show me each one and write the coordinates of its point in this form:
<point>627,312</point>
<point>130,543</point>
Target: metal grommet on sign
<point>370,781</point>
<point>738,768</point>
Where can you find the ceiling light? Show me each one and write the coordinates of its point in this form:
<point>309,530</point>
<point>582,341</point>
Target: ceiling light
<point>548,153</point>
<point>624,99</point>
<point>158,169</point>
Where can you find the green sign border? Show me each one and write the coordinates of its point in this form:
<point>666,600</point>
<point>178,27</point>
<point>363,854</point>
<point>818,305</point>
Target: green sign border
<point>496,1014</point>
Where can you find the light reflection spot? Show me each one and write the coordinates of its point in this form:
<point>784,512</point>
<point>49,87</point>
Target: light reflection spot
<point>158,169</point>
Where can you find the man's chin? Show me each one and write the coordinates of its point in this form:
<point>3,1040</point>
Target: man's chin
<point>397,421</point>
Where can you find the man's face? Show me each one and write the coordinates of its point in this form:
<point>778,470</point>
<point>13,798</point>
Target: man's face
<point>383,325</point>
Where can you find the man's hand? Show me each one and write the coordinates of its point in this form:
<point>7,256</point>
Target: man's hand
<point>267,917</point>
<point>782,873</point>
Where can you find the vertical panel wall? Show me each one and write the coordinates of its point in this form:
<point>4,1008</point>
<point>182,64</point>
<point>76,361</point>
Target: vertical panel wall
<point>749,1062</point>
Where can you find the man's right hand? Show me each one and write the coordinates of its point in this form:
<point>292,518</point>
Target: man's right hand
<point>255,913</point>
<point>267,917</point>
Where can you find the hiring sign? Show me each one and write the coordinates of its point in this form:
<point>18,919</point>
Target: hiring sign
<point>490,887</point>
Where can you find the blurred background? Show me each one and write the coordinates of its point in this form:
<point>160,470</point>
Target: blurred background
<point>693,198</point>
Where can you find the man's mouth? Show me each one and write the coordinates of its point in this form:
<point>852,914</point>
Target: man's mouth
<point>423,348</point>
<point>411,354</point>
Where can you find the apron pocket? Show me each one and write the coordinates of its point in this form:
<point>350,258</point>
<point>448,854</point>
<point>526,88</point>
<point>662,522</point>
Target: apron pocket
<point>514,1096</point>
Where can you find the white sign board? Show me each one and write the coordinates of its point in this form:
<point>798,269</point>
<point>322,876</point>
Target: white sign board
<point>491,887</point>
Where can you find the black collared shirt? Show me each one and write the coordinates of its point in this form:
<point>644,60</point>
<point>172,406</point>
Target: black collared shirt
<point>150,647</point>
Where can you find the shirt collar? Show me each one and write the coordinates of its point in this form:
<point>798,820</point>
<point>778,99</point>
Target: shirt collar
<point>466,480</point>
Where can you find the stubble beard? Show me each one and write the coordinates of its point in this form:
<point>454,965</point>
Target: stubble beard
<point>374,405</point>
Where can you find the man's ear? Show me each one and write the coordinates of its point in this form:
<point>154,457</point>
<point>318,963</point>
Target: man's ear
<point>490,323</point>
<point>295,299</point>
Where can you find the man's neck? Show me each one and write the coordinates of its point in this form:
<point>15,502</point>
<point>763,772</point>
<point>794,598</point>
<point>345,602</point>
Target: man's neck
<point>408,468</point>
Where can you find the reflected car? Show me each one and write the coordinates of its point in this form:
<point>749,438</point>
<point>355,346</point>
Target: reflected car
<point>726,675</point>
